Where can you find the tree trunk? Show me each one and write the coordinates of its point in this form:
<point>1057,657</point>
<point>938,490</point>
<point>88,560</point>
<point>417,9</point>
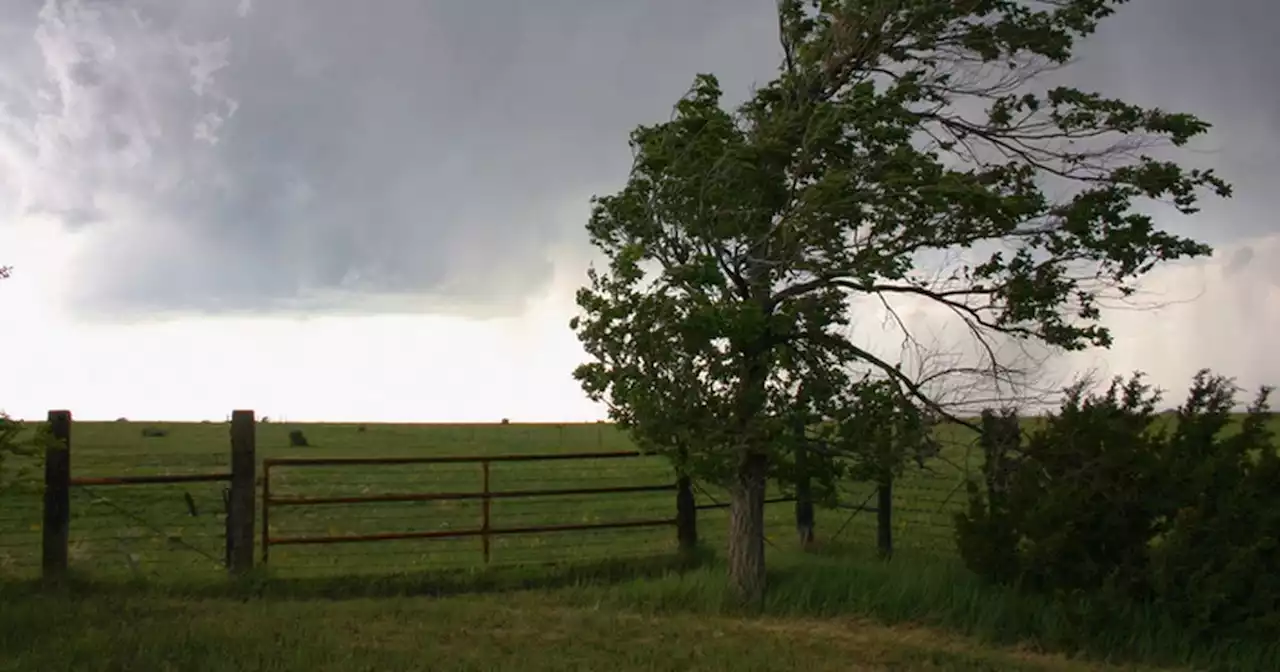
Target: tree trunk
<point>746,529</point>
<point>746,492</point>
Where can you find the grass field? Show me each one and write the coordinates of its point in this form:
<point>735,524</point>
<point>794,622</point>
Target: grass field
<point>834,610</point>
<point>156,596</point>
<point>521,631</point>
<point>153,531</point>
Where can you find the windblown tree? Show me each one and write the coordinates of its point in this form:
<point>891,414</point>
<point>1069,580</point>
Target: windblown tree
<point>13,448</point>
<point>906,148</point>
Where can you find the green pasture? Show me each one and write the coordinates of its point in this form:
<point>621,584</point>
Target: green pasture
<point>176,531</point>
<point>612,598</point>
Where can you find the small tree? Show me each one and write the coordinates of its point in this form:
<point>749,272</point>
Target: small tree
<point>11,444</point>
<point>20,452</point>
<point>904,149</point>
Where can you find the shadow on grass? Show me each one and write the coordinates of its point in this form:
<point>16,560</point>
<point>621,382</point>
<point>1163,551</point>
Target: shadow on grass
<point>837,583</point>
<point>938,592</point>
<point>263,583</point>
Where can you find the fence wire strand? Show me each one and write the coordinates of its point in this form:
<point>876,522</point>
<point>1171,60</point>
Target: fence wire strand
<point>174,530</point>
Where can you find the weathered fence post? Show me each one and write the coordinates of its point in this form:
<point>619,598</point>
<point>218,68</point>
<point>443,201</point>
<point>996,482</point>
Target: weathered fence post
<point>686,515</point>
<point>686,505</point>
<point>57,497</point>
<point>804,500</point>
<point>884,515</point>
<point>226,527</point>
<point>804,482</point>
<point>486,512</point>
<point>240,512</point>
<point>265,530</point>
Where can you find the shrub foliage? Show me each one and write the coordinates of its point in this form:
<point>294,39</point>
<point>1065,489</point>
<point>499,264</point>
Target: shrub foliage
<point>21,452</point>
<point>1109,498</point>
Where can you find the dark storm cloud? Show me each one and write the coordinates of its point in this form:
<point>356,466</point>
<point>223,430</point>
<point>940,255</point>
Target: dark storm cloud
<point>256,156</point>
<point>1216,60</point>
<point>313,152</point>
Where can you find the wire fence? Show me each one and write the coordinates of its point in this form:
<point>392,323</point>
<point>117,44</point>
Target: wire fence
<point>20,520</point>
<point>148,531</point>
<point>922,514</point>
<point>179,530</point>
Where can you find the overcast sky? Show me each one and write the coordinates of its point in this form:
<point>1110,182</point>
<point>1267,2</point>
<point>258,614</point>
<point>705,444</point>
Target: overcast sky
<point>374,210</point>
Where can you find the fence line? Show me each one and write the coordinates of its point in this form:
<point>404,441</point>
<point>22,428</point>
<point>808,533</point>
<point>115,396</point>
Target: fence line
<point>240,497</point>
<point>58,482</point>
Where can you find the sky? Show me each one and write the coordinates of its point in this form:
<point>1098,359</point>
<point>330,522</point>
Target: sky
<point>330,210</point>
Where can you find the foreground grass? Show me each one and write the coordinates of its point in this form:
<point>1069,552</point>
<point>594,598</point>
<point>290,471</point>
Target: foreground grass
<point>831,611</point>
<point>525,631</point>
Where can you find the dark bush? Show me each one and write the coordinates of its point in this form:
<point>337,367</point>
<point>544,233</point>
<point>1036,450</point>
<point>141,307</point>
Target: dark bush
<point>154,432</point>
<point>122,419</point>
<point>987,537</point>
<point>297,439</point>
<point>505,421</point>
<point>1216,563</point>
<point>1111,499</point>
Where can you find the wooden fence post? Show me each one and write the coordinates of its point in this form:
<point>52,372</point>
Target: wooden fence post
<point>804,500</point>
<point>884,516</point>
<point>240,513</point>
<point>686,515</point>
<point>686,504</point>
<point>55,537</point>
<point>486,510</point>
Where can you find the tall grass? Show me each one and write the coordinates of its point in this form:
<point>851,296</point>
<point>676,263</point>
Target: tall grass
<point>929,591</point>
<point>834,586</point>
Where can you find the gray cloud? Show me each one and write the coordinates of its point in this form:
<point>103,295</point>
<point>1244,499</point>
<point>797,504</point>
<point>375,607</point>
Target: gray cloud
<point>1212,59</point>
<point>271,153</point>
<point>312,153</point>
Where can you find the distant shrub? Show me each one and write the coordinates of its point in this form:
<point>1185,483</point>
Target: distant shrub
<point>154,432</point>
<point>265,420</point>
<point>361,429</point>
<point>19,455</point>
<point>1102,499</point>
<point>505,421</point>
<point>297,439</point>
<point>122,419</point>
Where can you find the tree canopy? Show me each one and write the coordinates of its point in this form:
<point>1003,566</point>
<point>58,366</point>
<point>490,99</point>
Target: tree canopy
<point>894,130</point>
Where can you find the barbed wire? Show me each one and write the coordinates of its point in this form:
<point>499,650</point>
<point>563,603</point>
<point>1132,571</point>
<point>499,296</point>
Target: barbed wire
<point>140,519</point>
<point>151,530</point>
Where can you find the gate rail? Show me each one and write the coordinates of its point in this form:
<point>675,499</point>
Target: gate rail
<point>683,520</point>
